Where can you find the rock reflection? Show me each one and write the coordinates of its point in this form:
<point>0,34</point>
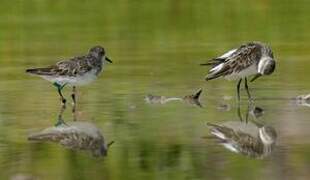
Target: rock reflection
<point>192,99</point>
<point>76,135</point>
<point>153,99</point>
<point>223,107</point>
<point>250,139</point>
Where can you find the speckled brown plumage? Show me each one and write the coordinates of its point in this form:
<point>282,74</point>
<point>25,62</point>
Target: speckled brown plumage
<point>243,142</point>
<point>75,66</point>
<point>245,56</point>
<point>253,58</point>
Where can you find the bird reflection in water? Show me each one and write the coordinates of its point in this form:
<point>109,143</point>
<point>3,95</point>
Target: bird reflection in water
<point>303,100</point>
<point>192,99</point>
<point>75,135</point>
<point>257,111</point>
<point>252,109</point>
<point>248,138</point>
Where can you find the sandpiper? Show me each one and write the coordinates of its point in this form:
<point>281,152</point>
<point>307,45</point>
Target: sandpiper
<point>303,100</point>
<point>76,136</point>
<point>76,71</point>
<point>250,139</point>
<point>254,58</point>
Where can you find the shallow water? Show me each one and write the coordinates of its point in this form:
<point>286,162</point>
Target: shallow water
<point>156,48</point>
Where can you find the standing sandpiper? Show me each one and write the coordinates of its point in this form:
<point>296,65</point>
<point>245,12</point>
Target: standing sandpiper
<point>76,71</point>
<point>253,58</point>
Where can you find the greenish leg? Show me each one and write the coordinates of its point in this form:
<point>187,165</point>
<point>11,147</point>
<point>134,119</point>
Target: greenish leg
<point>60,120</point>
<point>59,88</point>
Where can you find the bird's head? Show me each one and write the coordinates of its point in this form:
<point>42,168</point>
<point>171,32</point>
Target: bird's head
<point>266,66</point>
<point>102,150</point>
<point>99,52</point>
<point>268,135</point>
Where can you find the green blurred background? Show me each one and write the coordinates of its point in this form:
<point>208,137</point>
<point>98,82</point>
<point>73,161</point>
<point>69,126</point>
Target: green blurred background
<point>156,47</point>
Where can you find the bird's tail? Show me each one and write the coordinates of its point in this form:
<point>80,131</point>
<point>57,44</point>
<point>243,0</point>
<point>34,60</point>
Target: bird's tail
<point>210,77</point>
<point>206,64</point>
<point>40,71</point>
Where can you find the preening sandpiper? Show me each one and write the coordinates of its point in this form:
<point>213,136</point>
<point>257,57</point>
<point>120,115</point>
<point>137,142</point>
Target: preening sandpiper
<point>254,58</point>
<point>75,71</point>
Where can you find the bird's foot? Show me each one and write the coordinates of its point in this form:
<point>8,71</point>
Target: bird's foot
<point>60,122</point>
<point>63,102</point>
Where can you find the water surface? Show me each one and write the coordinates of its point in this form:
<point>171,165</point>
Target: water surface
<point>156,48</point>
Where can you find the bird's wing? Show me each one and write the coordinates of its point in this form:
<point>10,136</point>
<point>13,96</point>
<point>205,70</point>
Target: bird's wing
<point>248,145</point>
<point>76,65</point>
<point>226,133</point>
<point>53,134</point>
<point>71,67</point>
<point>234,60</point>
<point>221,131</point>
<point>236,140</point>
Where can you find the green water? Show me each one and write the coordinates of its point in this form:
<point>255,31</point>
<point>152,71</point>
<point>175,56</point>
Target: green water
<point>156,48</point>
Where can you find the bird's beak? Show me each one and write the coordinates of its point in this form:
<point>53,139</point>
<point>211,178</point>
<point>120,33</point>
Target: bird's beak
<point>109,144</point>
<point>255,77</point>
<point>107,59</point>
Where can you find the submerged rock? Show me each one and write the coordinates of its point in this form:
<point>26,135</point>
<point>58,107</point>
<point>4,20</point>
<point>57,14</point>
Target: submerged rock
<point>192,99</point>
<point>223,107</point>
<point>153,99</point>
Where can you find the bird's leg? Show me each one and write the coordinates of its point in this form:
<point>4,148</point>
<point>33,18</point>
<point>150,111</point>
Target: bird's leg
<point>238,90</point>
<point>60,120</point>
<point>63,100</point>
<point>247,113</point>
<point>239,112</point>
<point>238,103</point>
<point>247,88</point>
<point>59,88</point>
<point>73,102</point>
